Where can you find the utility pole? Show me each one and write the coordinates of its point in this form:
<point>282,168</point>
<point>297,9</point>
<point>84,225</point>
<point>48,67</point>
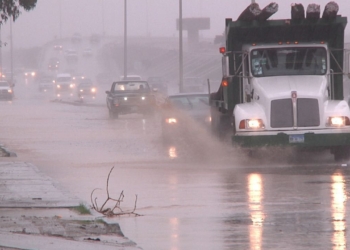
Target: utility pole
<point>181,74</point>
<point>11,51</point>
<point>125,43</point>
<point>1,44</point>
<point>60,7</point>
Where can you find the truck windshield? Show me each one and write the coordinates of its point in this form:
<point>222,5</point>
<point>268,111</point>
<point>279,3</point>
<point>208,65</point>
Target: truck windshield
<point>288,61</point>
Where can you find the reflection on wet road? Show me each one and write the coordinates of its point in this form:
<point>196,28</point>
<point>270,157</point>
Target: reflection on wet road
<point>194,193</point>
<point>339,212</point>
<point>255,198</point>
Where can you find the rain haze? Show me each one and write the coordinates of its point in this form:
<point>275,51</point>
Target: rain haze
<point>145,18</point>
<point>174,146</point>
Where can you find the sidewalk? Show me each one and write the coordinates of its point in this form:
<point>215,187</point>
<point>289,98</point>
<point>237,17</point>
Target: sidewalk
<point>37,214</point>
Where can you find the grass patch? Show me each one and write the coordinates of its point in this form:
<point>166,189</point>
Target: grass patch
<point>82,209</point>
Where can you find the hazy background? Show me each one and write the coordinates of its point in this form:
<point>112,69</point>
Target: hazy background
<point>145,18</point>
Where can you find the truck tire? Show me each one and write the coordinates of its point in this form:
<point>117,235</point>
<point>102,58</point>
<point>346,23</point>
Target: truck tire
<point>341,153</point>
<point>221,124</point>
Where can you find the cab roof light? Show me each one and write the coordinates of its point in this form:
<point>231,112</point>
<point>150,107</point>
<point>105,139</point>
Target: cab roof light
<point>296,42</point>
<point>280,43</point>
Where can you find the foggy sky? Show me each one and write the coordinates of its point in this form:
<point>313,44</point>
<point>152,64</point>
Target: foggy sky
<point>145,17</point>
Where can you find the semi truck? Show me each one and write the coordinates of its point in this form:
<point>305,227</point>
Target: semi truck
<point>282,83</point>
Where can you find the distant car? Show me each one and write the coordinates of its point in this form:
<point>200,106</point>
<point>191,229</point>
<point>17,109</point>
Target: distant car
<point>86,88</point>
<point>126,97</point>
<point>45,84</point>
<point>87,52</point>
<point>159,84</point>
<point>58,47</point>
<point>64,85</point>
<point>54,63</point>
<point>193,84</point>
<point>181,112</point>
<point>6,90</point>
<point>71,55</point>
<point>29,73</point>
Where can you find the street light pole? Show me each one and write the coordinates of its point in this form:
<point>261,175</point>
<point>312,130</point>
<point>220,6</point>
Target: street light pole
<point>11,51</point>
<point>125,42</point>
<point>60,7</point>
<point>103,17</point>
<point>180,49</point>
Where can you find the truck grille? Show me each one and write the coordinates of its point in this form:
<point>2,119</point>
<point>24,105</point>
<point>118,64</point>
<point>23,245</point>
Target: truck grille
<point>308,114</point>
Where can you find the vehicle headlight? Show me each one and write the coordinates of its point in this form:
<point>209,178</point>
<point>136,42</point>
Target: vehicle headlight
<point>9,90</point>
<point>251,124</point>
<point>93,90</point>
<point>33,73</point>
<point>143,98</point>
<point>208,119</point>
<point>125,98</point>
<point>58,86</point>
<point>71,85</point>
<point>171,120</point>
<point>81,90</point>
<point>338,121</point>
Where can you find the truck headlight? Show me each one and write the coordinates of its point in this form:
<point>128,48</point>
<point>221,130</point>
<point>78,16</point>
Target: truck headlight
<point>251,124</point>
<point>171,120</point>
<point>9,90</point>
<point>143,98</point>
<point>125,98</point>
<point>338,121</point>
<point>93,90</point>
<point>71,85</point>
<point>58,86</point>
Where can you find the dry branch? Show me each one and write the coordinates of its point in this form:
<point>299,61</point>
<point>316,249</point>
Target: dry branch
<point>117,206</point>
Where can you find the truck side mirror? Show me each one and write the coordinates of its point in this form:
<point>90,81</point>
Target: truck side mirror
<point>108,92</point>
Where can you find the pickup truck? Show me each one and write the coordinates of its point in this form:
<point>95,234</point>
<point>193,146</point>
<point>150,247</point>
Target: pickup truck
<point>127,97</point>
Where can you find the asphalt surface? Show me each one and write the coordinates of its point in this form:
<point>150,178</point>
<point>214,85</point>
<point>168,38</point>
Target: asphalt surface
<point>36,213</point>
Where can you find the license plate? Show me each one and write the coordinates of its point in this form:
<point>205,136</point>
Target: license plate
<point>296,138</point>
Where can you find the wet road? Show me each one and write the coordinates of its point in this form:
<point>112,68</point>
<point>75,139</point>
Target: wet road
<point>195,194</point>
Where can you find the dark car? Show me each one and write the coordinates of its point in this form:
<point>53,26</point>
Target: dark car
<point>6,90</point>
<point>159,84</point>
<point>126,97</point>
<point>54,63</point>
<point>184,113</point>
<point>45,84</point>
<point>86,88</point>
